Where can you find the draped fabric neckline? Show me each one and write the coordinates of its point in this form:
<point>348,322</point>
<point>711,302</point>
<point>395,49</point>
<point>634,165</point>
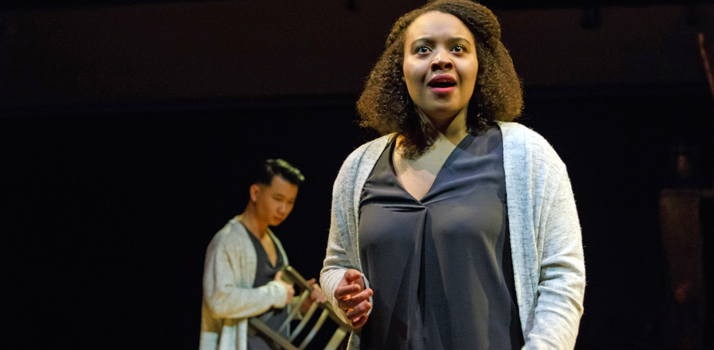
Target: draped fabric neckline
<point>460,147</point>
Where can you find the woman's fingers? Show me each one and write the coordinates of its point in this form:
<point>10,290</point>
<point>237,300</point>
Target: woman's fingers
<point>344,291</point>
<point>354,300</point>
<point>360,310</point>
<point>352,275</point>
<point>359,322</point>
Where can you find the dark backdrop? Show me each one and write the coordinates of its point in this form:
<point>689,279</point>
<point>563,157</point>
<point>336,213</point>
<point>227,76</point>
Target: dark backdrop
<point>125,134</point>
<point>108,209</point>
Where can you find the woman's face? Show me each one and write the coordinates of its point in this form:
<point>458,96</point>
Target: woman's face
<point>440,64</point>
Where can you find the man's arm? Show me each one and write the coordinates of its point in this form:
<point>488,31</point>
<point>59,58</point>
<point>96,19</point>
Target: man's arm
<point>225,299</point>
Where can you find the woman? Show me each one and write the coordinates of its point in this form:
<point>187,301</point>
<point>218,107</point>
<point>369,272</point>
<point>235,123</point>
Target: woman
<point>457,229</point>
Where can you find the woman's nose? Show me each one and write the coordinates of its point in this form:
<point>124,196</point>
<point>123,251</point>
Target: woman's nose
<point>441,61</point>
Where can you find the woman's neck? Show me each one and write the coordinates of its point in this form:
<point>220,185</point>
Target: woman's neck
<point>452,129</point>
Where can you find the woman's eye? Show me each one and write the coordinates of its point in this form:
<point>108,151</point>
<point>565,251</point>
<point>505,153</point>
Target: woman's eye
<point>422,49</point>
<point>458,48</point>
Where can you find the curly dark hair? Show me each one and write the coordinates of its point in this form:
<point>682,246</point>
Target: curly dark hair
<point>385,104</point>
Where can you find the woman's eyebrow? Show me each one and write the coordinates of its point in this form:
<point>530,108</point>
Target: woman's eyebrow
<point>459,39</point>
<point>423,40</point>
<point>431,41</point>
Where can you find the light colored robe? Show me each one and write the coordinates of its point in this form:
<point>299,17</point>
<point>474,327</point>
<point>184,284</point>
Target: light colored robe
<point>228,294</point>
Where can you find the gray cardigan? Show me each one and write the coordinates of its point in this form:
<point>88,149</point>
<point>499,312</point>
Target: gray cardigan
<point>546,243</point>
<point>228,294</point>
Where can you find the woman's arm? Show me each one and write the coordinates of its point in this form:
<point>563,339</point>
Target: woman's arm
<point>344,286</point>
<point>561,285</point>
<point>338,284</point>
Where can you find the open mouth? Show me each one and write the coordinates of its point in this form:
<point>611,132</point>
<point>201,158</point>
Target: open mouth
<point>442,83</point>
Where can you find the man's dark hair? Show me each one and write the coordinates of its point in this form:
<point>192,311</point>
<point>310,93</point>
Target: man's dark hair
<point>273,167</point>
<point>385,104</point>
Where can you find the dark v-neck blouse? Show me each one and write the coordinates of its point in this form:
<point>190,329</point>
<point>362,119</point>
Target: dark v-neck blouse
<point>440,267</point>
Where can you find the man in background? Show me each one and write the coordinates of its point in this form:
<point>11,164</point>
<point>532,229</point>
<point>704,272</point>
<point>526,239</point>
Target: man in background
<point>242,276</point>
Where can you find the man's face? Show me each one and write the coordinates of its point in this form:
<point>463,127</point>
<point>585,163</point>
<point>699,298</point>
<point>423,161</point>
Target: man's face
<point>275,202</point>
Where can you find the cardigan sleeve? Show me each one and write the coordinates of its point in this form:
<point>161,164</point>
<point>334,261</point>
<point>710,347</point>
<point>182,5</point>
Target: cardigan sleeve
<point>335,265</point>
<point>561,283</point>
<point>337,260</point>
<point>227,300</point>
<point>342,251</point>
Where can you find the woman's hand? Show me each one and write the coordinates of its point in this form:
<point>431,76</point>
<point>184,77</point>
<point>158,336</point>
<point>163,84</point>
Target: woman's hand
<point>353,298</point>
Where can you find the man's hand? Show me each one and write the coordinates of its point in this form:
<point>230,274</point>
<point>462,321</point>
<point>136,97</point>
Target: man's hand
<point>288,287</point>
<point>315,296</point>
<point>353,298</point>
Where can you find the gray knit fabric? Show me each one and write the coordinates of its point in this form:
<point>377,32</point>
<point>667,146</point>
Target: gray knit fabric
<point>548,263</point>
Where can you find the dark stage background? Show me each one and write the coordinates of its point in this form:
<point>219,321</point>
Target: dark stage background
<point>112,191</point>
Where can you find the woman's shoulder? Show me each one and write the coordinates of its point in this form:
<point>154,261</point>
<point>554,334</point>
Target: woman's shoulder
<point>519,132</point>
<point>359,163</point>
<point>375,146</point>
<point>367,150</point>
<point>520,139</point>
